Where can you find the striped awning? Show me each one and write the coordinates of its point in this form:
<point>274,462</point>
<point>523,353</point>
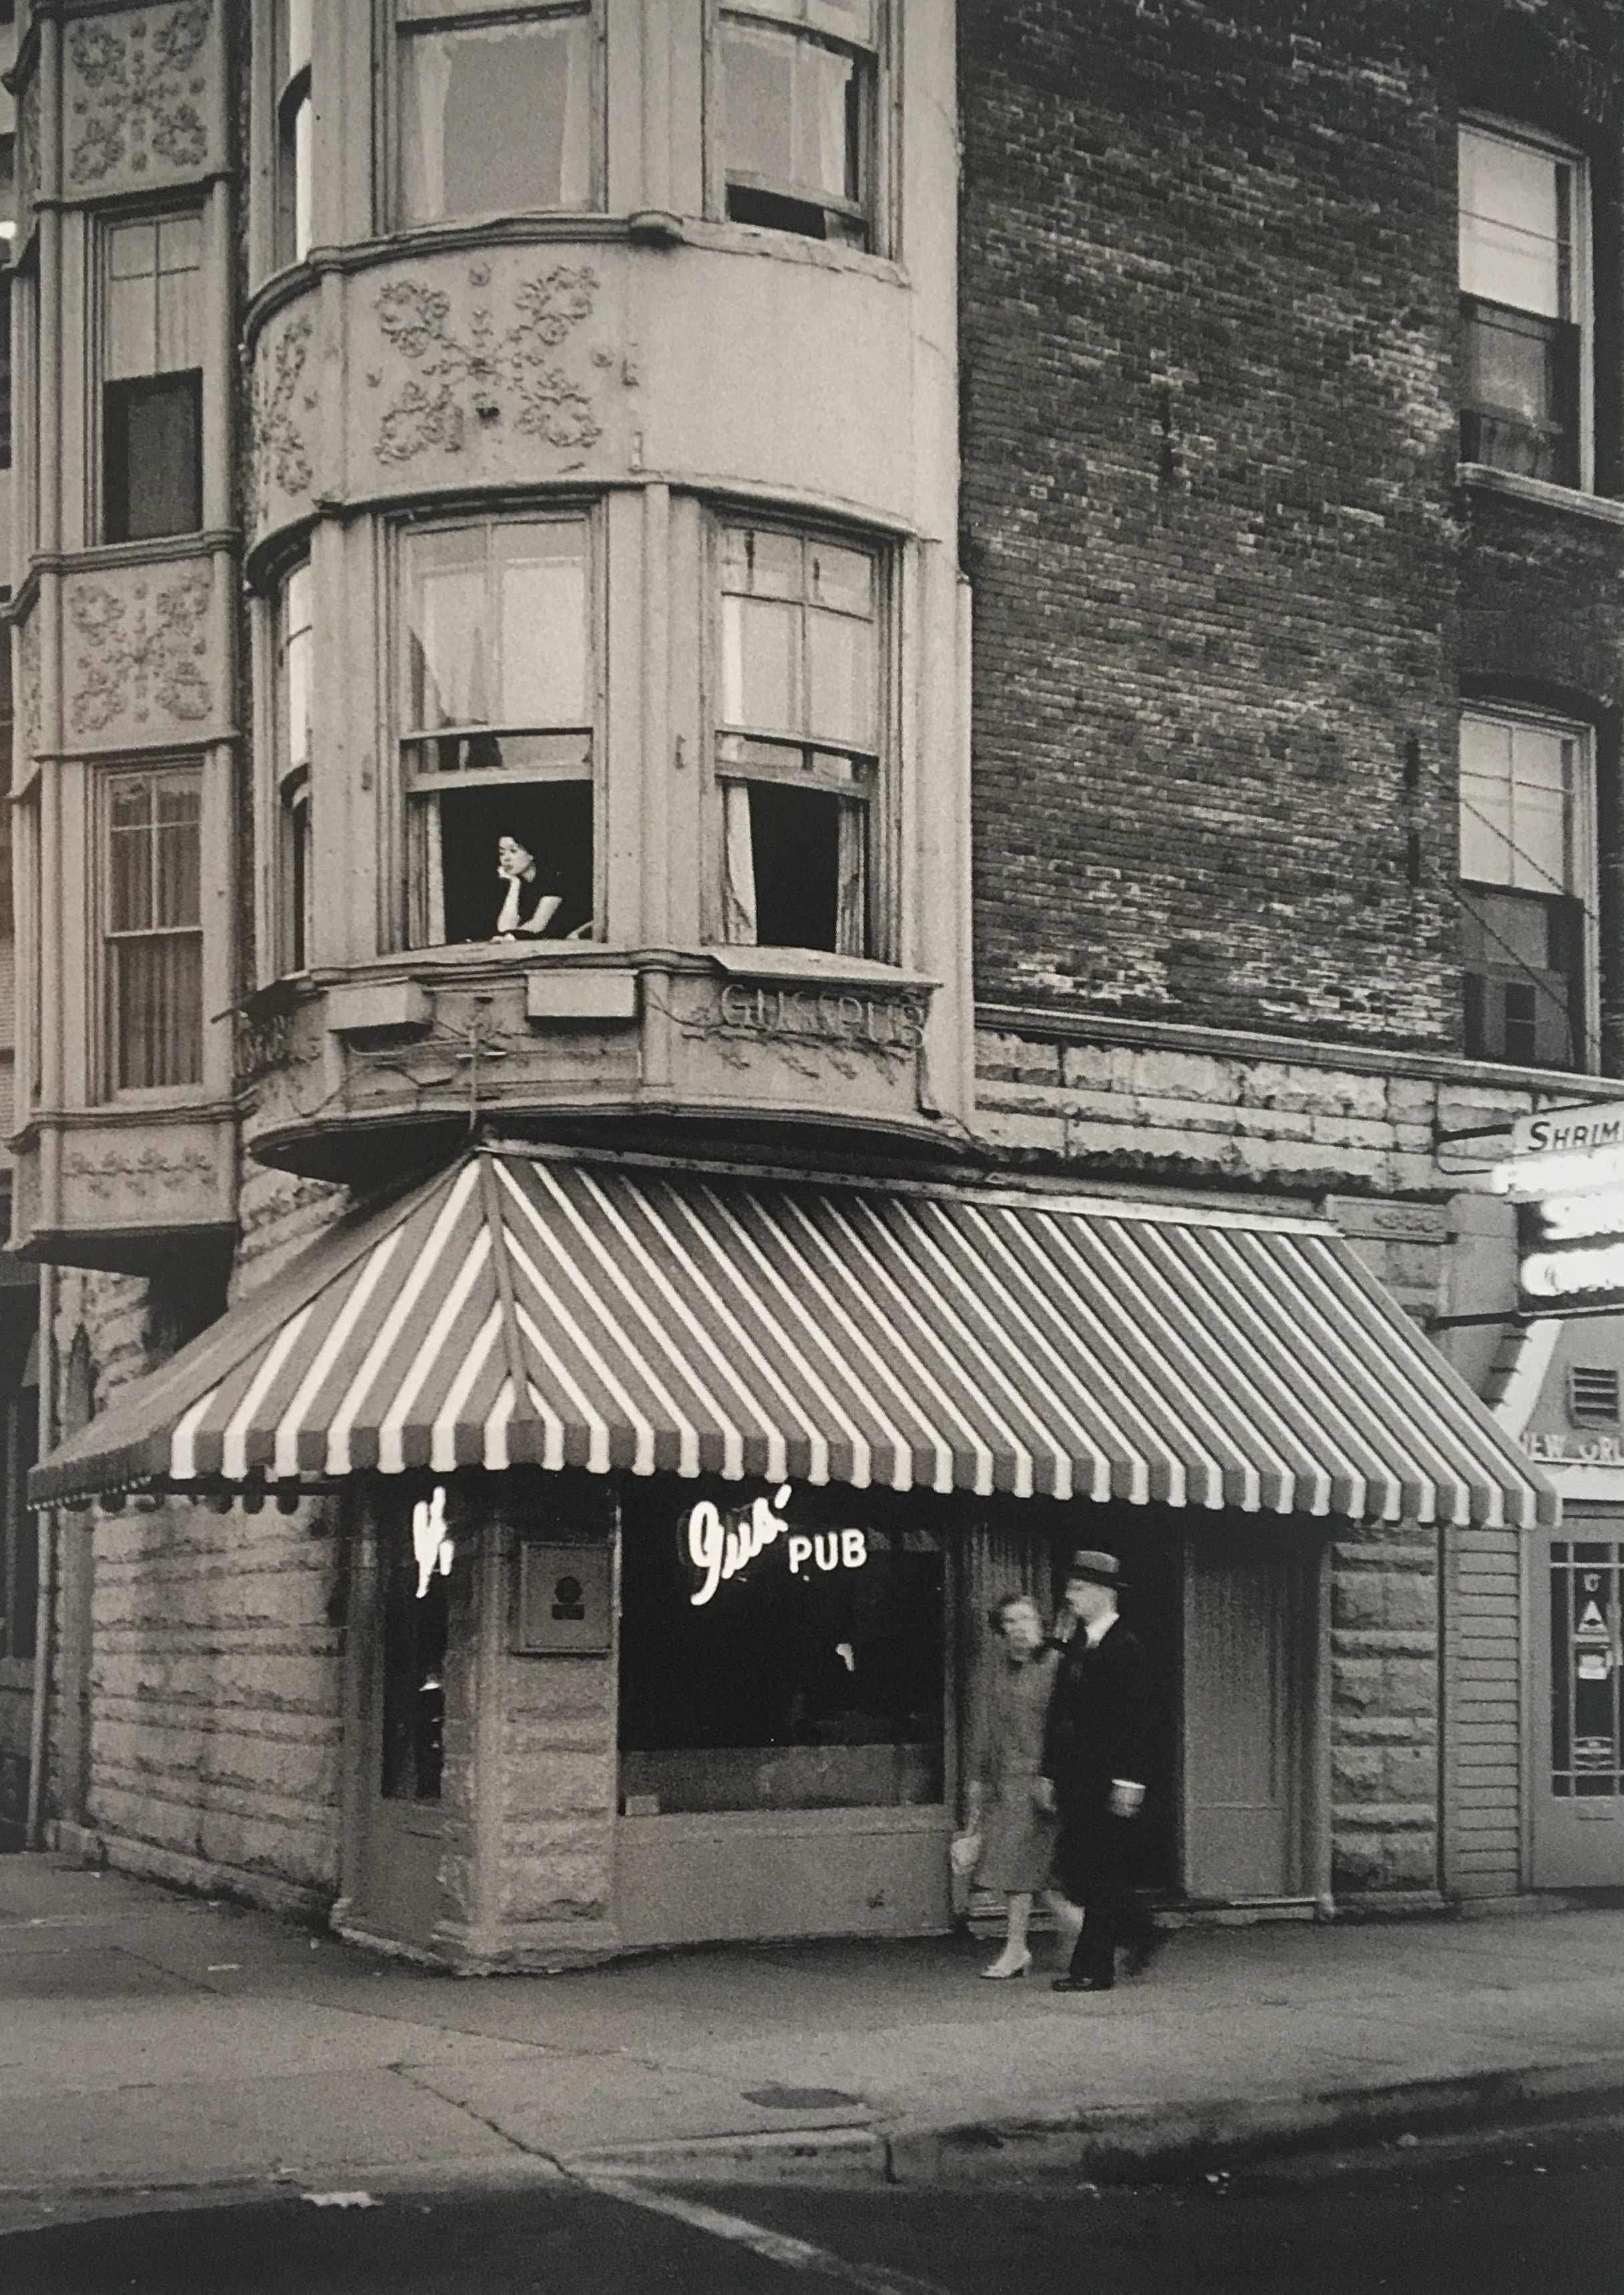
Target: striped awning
<point>528,1308</point>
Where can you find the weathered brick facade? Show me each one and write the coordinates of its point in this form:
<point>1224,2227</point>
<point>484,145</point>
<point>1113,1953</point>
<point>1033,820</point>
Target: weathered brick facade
<point>1230,593</point>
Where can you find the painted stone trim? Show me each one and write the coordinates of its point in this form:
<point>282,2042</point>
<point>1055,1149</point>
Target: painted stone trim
<point>473,369</point>
<point>29,149</point>
<point>28,693</point>
<point>141,652</point>
<point>133,91</point>
<point>282,398</point>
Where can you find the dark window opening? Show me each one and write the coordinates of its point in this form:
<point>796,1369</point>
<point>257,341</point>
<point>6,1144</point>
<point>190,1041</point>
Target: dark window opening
<point>416,1634</point>
<point>795,845</point>
<point>1520,408</point>
<point>811,1678</point>
<point>1524,978</point>
<point>6,370</point>
<point>153,456</point>
<point>551,821</point>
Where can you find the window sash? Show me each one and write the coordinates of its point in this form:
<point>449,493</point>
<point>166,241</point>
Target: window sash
<point>1518,210</point>
<point>153,320</point>
<point>153,931</point>
<point>478,602</point>
<point>478,149</point>
<point>804,136</point>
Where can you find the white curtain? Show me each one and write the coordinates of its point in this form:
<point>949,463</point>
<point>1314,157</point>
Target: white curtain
<point>739,873</point>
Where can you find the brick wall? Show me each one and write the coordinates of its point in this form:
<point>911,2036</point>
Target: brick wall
<point>1220,562</point>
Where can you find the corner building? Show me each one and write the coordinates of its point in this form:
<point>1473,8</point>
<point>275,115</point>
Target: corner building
<point>552,1341</point>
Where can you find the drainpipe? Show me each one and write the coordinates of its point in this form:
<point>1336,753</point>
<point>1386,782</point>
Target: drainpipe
<point>44,1608</point>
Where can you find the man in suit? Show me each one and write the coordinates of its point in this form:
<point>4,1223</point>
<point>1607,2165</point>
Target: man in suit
<point>1094,1763</point>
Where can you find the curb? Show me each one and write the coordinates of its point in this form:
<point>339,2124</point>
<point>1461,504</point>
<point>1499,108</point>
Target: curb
<point>1107,2146</point>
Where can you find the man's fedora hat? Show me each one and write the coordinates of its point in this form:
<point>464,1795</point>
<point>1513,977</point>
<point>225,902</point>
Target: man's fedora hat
<point>1099,1569</point>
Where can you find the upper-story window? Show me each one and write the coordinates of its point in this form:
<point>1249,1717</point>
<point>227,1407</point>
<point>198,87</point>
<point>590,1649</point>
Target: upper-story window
<point>295,116</point>
<point>798,115</point>
<point>1527,889</point>
<point>496,108</point>
<point>1524,285</point>
<point>152,379</point>
<point>153,929</point>
<point>497,708</point>
<point>798,741</point>
<point>294,639</point>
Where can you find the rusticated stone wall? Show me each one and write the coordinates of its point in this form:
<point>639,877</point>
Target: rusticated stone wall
<point>215,1696</point>
<point>1384,1711</point>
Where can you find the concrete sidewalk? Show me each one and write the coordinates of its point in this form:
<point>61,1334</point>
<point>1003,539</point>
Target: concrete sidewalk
<point>152,2046</point>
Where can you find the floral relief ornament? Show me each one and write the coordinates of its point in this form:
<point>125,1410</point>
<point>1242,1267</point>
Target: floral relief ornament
<point>485,372</point>
<point>137,656</point>
<point>283,458</point>
<point>138,85</point>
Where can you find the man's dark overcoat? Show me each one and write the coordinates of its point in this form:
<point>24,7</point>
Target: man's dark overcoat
<point>1097,1731</point>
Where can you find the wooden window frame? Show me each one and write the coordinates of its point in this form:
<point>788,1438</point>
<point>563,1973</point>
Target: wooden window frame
<point>1569,339</point>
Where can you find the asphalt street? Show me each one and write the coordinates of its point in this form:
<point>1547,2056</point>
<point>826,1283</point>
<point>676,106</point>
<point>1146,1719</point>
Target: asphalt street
<point>1517,2210</point>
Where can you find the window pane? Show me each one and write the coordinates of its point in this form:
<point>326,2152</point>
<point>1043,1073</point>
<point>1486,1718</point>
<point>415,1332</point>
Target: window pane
<point>762,563</point>
<point>848,20</point>
<point>842,679</point>
<point>296,668</point>
<point>180,254</point>
<point>132,309</point>
<point>300,14</point>
<point>130,816</point>
<point>759,643</point>
<point>152,472</point>
<point>448,665</point>
<point>759,68</point>
<point>826,155</point>
<point>158,1011</point>
<point>1541,760</point>
<point>542,572</point>
<point>496,119</point>
<point>1513,228</point>
<point>842,580</point>
<point>177,854</point>
<point>1485,801</point>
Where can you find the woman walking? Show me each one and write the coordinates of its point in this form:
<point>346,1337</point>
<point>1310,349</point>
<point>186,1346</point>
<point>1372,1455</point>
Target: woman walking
<point>1006,1773</point>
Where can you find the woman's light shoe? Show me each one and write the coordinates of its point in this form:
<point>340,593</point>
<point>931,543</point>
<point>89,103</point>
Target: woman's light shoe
<point>1004,1967</point>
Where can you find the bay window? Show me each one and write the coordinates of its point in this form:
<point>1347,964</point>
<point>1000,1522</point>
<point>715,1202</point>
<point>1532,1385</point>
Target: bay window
<point>797,746</point>
<point>1524,292</point>
<point>798,115</point>
<point>1527,889</point>
<point>152,378</point>
<point>295,116</point>
<point>293,757</point>
<point>495,108</point>
<point>153,929</point>
<point>497,713</point>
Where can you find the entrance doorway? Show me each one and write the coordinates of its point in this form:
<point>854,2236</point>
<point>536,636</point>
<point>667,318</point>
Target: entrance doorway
<point>1248,1607</point>
<point>1578,1710</point>
<point>398,1890</point>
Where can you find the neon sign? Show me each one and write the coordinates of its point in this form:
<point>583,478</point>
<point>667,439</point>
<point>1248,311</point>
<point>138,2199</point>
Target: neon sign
<point>720,1545</point>
<point>431,1541</point>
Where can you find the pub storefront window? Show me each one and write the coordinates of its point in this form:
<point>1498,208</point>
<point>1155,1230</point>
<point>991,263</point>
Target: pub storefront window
<point>779,1649</point>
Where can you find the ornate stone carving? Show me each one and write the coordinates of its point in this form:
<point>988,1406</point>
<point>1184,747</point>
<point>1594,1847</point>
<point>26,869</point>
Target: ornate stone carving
<point>480,369</point>
<point>28,145</point>
<point>106,1171</point>
<point>27,697</point>
<point>137,654</point>
<point>136,86</point>
<point>281,460</point>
